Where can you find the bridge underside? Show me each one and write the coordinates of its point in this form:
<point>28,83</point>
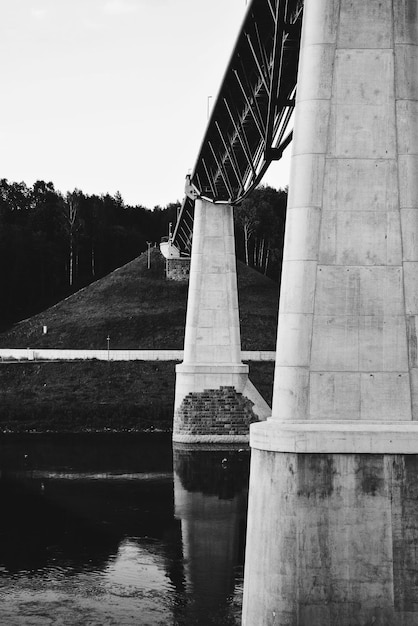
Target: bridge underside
<point>249,124</point>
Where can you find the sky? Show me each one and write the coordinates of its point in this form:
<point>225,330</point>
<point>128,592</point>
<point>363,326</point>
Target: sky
<point>113,95</point>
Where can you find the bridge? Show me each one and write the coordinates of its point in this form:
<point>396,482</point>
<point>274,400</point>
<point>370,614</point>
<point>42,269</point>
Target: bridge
<point>332,519</point>
<point>249,124</point>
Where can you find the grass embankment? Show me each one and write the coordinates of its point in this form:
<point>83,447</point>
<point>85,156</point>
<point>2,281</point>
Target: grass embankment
<point>95,395</point>
<point>139,309</point>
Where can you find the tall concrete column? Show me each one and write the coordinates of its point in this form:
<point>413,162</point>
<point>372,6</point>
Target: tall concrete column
<point>346,368</point>
<point>214,401</point>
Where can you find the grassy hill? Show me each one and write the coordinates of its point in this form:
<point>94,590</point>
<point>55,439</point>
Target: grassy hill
<point>139,309</point>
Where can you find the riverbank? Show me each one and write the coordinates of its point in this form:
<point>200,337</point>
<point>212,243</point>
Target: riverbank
<point>137,309</point>
<point>96,396</point>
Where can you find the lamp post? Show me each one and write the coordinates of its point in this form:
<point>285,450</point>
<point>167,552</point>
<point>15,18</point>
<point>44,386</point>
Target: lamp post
<point>149,254</point>
<point>108,347</point>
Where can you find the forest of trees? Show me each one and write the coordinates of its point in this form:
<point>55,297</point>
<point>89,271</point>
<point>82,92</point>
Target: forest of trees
<point>259,230</point>
<point>53,244</point>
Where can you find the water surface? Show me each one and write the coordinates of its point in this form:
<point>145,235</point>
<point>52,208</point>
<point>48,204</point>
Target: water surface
<point>120,529</point>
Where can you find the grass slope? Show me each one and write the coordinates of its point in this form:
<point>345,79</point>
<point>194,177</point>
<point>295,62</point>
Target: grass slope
<point>139,309</point>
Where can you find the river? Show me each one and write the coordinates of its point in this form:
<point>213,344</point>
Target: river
<point>120,529</point>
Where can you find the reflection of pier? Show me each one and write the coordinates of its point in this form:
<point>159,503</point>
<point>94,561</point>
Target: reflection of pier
<point>210,489</point>
<point>101,513</point>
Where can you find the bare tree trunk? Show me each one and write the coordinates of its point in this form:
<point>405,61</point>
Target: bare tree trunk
<point>72,208</point>
<point>261,254</point>
<point>246,244</point>
<point>267,261</point>
<point>93,269</point>
<point>71,264</point>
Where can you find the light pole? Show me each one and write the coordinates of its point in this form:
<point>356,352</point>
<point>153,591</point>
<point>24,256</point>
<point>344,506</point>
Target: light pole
<point>149,254</point>
<point>108,347</point>
<point>208,107</point>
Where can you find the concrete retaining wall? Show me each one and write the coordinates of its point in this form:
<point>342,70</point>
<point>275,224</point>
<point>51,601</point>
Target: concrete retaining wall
<point>41,354</point>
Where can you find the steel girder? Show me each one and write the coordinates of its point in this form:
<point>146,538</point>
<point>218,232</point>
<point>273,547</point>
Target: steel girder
<point>248,127</point>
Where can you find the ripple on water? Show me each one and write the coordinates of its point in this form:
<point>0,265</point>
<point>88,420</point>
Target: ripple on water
<point>132,588</point>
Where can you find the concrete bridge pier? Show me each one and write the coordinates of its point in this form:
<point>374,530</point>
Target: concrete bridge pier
<point>332,529</point>
<point>215,401</point>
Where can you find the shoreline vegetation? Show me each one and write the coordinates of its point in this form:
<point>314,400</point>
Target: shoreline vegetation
<point>138,309</point>
<point>96,396</point>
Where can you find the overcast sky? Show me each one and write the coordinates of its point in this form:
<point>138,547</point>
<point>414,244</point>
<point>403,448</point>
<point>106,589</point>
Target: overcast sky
<point>112,95</point>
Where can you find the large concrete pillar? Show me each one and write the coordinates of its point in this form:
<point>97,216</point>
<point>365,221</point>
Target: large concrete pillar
<point>346,379</point>
<point>335,542</point>
<point>215,400</point>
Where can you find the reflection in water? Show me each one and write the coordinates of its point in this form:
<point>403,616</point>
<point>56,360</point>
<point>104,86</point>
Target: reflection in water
<point>210,495</point>
<point>136,568</point>
<point>90,532</point>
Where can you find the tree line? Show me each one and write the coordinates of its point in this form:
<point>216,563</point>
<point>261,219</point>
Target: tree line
<point>259,230</point>
<point>52,244</point>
